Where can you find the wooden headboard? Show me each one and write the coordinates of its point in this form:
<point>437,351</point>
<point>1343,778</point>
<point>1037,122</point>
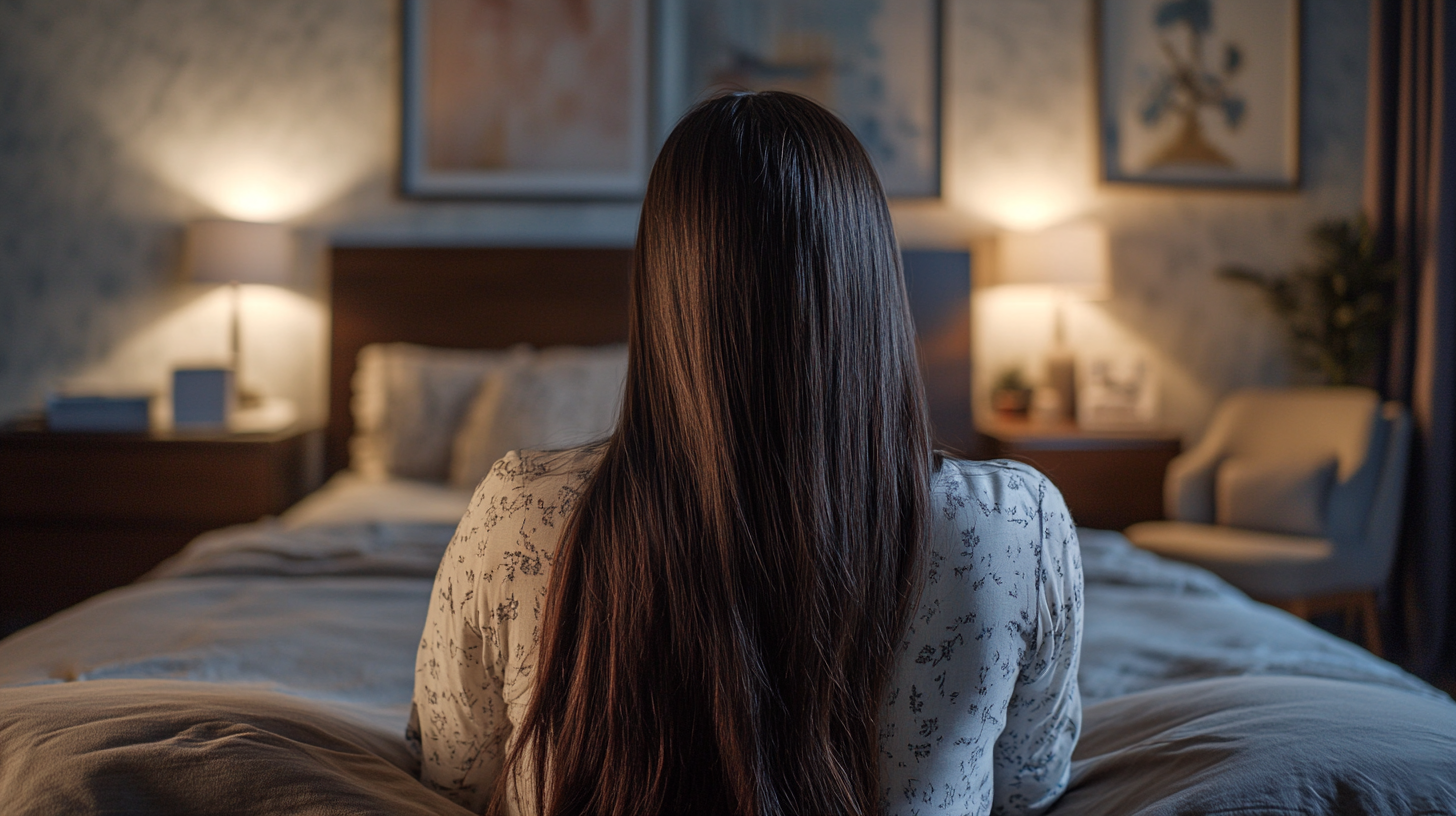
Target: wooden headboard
<point>485,297</point>
<point>466,297</point>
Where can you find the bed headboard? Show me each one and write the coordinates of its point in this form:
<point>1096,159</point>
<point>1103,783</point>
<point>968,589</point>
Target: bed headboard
<point>490,297</point>
<point>466,297</point>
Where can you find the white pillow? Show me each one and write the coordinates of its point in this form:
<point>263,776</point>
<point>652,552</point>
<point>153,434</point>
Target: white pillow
<point>408,402</point>
<point>557,398</point>
<point>1274,495</point>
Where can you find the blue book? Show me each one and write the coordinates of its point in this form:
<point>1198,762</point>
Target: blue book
<point>106,414</point>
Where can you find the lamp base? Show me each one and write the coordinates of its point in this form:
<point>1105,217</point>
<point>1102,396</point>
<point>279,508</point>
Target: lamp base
<point>269,415</point>
<point>1061,376</point>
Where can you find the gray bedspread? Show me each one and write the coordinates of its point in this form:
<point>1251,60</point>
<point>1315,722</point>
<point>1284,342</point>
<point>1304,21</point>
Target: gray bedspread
<point>269,670</point>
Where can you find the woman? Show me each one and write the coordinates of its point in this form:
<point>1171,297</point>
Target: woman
<point>763,594</point>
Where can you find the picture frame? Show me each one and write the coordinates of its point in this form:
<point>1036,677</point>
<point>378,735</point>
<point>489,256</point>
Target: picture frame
<point>1117,392</point>
<point>526,100</point>
<point>1198,93</point>
<point>876,65</point>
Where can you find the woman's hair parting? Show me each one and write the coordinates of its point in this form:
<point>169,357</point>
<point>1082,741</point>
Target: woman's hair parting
<point>731,589</point>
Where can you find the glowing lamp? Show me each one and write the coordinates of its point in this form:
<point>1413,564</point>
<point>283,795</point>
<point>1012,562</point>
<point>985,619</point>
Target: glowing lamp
<point>1068,262</point>
<point>238,252</point>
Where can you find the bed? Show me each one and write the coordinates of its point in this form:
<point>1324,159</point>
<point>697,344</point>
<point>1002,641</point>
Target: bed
<point>268,667</point>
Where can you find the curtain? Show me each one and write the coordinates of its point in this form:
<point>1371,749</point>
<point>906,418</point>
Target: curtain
<point>1410,199</point>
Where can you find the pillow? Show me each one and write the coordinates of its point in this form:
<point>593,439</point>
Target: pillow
<point>1273,495</point>
<point>408,401</point>
<point>1265,745</point>
<point>557,398</point>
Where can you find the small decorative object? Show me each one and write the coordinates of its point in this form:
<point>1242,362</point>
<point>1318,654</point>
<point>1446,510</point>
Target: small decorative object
<point>1117,392</point>
<point>546,99</point>
<point>237,252</point>
<point>202,398</point>
<point>1199,92</point>
<point>1011,395</point>
<point>1047,407</point>
<point>1066,262</point>
<point>116,413</point>
<point>876,64</point>
<point>1339,309</point>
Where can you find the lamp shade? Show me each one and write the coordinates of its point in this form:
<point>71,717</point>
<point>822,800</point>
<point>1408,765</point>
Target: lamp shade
<point>1072,258</point>
<point>239,252</point>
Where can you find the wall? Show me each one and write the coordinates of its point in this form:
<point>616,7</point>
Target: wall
<point>1021,149</point>
<point>120,121</point>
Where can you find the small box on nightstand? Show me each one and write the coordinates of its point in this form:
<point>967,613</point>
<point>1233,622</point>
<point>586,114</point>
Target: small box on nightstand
<point>202,398</point>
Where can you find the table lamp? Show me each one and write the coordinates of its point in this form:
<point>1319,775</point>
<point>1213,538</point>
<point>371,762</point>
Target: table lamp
<point>238,252</point>
<point>1068,262</point>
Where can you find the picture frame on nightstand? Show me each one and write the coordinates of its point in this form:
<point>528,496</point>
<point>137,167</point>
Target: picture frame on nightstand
<point>1117,392</point>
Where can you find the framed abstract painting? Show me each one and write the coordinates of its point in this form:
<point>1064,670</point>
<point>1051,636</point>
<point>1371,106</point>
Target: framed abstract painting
<point>526,98</point>
<point>875,63</point>
<point>1199,93</point>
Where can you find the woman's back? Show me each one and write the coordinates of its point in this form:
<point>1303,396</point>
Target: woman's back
<point>719,602</point>
<point>982,709</point>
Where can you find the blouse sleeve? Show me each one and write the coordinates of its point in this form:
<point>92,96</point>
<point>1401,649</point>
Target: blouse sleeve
<point>459,718</point>
<point>1033,756</point>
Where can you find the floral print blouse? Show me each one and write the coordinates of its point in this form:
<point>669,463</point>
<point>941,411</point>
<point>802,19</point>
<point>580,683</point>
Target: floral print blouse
<point>983,710</point>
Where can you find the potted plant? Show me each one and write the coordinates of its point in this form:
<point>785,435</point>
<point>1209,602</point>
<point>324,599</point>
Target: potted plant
<point>1338,309</point>
<point>1011,395</point>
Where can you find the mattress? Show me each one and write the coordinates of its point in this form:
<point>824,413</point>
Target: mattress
<point>269,667</point>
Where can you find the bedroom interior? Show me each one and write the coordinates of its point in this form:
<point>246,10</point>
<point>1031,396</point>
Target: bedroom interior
<point>386,372</point>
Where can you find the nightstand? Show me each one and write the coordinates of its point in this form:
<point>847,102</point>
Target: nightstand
<point>81,513</point>
<point>1110,479</point>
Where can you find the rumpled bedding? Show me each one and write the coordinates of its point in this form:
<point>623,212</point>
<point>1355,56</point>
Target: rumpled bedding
<point>1198,700</point>
<point>1151,622</point>
<point>263,670</point>
<point>268,668</point>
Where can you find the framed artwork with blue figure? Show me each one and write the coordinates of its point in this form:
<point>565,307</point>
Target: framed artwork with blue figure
<point>1199,93</point>
<point>875,63</point>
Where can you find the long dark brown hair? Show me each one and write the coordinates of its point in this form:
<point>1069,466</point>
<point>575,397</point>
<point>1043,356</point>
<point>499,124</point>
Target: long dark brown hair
<point>729,597</point>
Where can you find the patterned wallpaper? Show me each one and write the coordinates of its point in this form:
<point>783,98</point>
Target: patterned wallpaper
<point>121,120</point>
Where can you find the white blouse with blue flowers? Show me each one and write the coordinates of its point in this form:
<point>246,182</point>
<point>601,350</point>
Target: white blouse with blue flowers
<point>983,709</point>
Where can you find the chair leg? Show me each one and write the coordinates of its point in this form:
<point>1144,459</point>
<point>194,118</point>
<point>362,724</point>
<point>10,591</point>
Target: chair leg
<point>1371,613</point>
<point>1298,607</point>
<point>1352,606</point>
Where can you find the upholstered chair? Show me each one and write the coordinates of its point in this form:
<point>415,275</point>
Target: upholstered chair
<point>1294,496</point>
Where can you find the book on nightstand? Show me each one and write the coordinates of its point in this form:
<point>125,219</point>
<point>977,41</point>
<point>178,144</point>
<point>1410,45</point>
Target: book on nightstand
<point>113,414</point>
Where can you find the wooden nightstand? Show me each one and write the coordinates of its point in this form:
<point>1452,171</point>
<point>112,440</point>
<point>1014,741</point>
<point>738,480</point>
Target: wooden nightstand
<point>1109,479</point>
<point>83,512</point>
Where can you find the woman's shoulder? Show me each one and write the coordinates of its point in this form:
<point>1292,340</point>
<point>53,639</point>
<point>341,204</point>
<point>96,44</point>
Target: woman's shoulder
<point>536,478</point>
<point>998,479</point>
<point>521,468</point>
<point>1000,500</point>
<point>522,505</point>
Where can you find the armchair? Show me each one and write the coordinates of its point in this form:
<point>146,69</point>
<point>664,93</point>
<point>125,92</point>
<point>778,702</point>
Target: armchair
<point>1294,496</point>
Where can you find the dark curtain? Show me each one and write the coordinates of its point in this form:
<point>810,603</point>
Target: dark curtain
<point>1410,192</point>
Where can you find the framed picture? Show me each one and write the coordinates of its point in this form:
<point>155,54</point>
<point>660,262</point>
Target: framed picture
<point>1199,93</point>
<point>526,98</point>
<point>1116,392</point>
<point>875,64</point>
